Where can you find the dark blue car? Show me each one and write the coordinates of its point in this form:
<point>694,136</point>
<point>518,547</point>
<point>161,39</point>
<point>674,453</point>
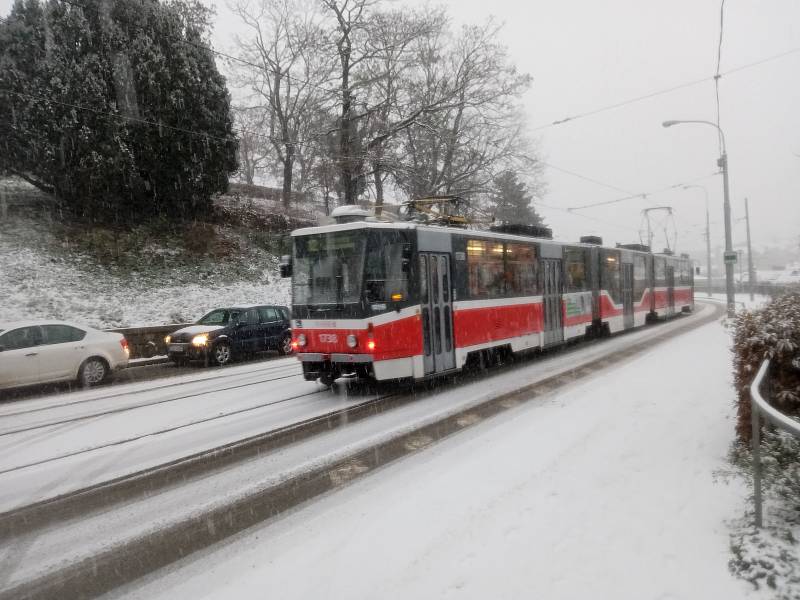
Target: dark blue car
<point>226,333</point>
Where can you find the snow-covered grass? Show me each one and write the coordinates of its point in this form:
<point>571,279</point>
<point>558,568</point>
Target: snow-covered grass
<point>769,558</point>
<point>145,277</point>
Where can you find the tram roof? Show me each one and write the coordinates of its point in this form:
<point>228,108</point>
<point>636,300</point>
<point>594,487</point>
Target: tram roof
<point>454,230</point>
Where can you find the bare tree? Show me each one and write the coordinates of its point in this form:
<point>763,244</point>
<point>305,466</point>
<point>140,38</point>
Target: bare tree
<point>254,150</point>
<point>287,70</point>
<point>373,48</point>
<point>480,133</point>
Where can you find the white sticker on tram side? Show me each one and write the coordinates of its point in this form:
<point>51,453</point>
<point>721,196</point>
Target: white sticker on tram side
<point>394,368</point>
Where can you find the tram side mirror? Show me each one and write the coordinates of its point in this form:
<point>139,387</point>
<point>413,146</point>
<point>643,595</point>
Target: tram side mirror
<point>286,265</point>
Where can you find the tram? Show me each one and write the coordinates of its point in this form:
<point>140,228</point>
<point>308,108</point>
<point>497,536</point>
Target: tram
<point>406,300</point>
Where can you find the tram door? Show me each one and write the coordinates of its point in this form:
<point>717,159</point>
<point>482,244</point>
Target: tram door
<point>551,300</point>
<point>627,295</point>
<point>437,312</point>
<point>670,273</point>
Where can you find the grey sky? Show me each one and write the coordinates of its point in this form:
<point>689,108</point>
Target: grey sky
<point>584,55</point>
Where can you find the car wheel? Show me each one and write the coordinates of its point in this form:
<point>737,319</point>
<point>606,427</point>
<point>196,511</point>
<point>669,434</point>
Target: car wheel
<point>92,372</point>
<point>285,347</point>
<point>222,354</point>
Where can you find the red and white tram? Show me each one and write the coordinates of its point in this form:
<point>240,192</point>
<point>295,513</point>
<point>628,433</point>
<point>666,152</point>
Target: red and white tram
<point>406,300</point>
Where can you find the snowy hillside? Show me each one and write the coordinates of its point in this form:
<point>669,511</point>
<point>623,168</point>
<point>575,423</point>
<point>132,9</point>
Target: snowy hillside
<point>50,271</point>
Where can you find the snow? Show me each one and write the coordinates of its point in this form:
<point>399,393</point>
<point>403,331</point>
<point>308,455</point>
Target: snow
<point>605,489</point>
<point>167,419</point>
<point>41,277</point>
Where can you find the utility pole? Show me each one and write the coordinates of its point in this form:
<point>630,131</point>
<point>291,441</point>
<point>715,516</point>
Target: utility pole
<point>741,277</point>
<point>750,271</point>
<point>730,255</point>
<point>708,251</point>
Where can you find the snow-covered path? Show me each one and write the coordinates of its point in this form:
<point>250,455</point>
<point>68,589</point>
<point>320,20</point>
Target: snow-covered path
<point>603,490</point>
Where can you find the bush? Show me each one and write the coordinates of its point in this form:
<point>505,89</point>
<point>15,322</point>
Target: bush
<point>772,332</point>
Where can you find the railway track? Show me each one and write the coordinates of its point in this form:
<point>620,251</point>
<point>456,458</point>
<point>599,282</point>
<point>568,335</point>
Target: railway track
<point>134,557</point>
<point>9,409</point>
<point>276,375</point>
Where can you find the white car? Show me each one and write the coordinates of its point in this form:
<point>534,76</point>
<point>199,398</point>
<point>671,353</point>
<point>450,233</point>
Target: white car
<point>34,352</point>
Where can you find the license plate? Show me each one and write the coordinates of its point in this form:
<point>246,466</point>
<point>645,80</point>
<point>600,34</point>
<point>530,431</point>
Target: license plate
<point>176,348</point>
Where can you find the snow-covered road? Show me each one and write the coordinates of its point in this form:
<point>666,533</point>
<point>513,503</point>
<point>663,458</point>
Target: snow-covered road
<point>603,490</point>
<point>57,444</point>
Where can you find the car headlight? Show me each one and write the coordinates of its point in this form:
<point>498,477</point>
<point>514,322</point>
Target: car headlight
<point>352,341</point>
<point>200,340</point>
<point>168,339</point>
<point>301,339</point>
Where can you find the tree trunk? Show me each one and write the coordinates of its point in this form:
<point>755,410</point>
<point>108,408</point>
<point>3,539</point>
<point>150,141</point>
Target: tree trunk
<point>288,168</point>
<point>378,190</point>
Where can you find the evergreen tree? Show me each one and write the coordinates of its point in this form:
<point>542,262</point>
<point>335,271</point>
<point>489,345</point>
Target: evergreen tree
<point>115,106</point>
<point>513,202</point>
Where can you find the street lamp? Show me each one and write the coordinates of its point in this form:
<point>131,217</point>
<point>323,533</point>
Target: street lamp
<point>708,237</point>
<point>730,255</point>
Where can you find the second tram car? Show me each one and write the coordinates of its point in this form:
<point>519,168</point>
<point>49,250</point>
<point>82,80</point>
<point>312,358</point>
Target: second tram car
<point>406,300</point>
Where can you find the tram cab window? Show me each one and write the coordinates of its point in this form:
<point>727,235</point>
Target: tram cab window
<point>386,266</point>
<point>485,270</point>
<point>577,277</point>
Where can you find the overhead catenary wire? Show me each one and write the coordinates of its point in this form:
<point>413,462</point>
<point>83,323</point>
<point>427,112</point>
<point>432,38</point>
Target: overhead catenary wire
<point>642,195</point>
<point>680,86</point>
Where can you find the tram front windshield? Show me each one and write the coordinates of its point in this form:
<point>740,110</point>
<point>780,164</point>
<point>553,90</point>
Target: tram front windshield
<point>328,268</point>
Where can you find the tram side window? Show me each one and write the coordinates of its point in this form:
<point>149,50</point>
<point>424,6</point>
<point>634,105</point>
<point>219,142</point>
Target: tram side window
<point>685,273</point>
<point>386,266</point>
<point>639,277</point>
<point>610,277</point>
<point>521,270</point>
<point>660,272</point>
<point>575,267</point>
<point>485,272</point>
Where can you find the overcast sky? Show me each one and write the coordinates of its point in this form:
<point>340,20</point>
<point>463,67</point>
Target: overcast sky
<point>585,55</point>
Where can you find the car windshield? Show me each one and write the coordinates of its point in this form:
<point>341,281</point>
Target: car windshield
<point>220,316</point>
<point>328,268</point>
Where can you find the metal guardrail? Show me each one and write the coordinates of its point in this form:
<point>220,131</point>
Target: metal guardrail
<point>146,342</point>
<point>760,408</point>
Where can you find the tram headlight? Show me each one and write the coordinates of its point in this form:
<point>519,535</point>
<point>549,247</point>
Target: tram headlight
<point>352,341</point>
<point>301,340</point>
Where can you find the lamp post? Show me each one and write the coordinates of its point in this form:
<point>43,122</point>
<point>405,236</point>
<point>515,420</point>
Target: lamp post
<point>730,255</point>
<point>708,238</point>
